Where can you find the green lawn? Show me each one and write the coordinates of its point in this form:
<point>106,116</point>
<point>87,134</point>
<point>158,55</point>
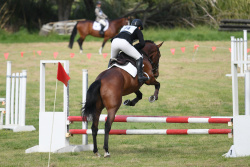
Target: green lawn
<point>192,84</point>
<point>200,33</point>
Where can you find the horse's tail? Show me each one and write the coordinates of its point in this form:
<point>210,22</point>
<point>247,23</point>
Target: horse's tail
<point>93,93</point>
<point>72,36</point>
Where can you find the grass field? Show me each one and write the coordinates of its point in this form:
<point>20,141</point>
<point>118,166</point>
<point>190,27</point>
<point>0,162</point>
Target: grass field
<point>200,33</point>
<point>192,84</point>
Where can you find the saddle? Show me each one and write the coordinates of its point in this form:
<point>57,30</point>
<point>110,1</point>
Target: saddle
<point>126,63</point>
<point>123,59</point>
<point>97,26</point>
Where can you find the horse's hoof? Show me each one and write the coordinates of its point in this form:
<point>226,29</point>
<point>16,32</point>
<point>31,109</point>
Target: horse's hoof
<point>100,51</point>
<point>81,51</point>
<point>126,102</point>
<point>106,155</point>
<point>151,99</point>
<point>97,154</point>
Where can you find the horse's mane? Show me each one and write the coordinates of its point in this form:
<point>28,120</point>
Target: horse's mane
<point>149,41</point>
<point>117,19</point>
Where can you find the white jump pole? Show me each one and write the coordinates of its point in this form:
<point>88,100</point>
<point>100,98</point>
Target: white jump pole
<point>234,78</point>
<point>247,92</point>
<point>241,57</point>
<point>12,99</point>
<point>16,99</point>
<point>241,123</point>
<point>23,95</point>
<point>84,94</point>
<point>245,48</point>
<point>7,105</point>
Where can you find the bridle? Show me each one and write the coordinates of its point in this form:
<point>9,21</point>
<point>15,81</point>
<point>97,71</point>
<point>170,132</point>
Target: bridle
<point>155,67</point>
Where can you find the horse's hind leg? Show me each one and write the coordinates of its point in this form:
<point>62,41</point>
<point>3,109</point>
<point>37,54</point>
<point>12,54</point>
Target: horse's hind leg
<point>80,41</point>
<point>94,133</point>
<point>108,124</point>
<point>135,100</point>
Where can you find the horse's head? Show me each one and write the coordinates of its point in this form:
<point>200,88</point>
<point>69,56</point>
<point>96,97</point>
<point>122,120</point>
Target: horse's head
<point>153,54</point>
<point>125,20</point>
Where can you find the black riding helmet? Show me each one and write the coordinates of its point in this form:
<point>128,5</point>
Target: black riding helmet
<point>137,23</point>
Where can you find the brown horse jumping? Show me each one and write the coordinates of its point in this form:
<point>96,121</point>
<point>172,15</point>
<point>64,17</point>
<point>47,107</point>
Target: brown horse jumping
<point>111,85</point>
<point>85,28</point>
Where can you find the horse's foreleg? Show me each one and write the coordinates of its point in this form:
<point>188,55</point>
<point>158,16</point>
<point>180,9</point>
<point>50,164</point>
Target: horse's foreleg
<point>103,44</point>
<point>135,100</point>
<point>155,96</point>
<point>157,88</point>
<point>80,41</point>
<point>153,81</point>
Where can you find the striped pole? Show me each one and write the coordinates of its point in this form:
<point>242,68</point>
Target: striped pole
<point>154,131</point>
<point>169,119</point>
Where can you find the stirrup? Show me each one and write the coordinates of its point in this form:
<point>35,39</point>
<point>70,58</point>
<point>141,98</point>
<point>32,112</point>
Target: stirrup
<point>142,79</point>
<point>101,32</point>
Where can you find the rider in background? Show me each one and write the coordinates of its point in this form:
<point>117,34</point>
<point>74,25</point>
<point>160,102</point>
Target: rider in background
<point>123,42</point>
<point>100,17</point>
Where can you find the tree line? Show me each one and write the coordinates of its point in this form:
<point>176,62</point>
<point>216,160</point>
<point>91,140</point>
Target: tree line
<point>32,14</point>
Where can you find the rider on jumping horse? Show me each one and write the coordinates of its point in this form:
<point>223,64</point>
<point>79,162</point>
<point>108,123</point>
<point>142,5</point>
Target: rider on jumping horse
<point>123,42</point>
<point>100,17</point>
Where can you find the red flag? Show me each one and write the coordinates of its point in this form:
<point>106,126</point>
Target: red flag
<point>62,75</point>
<point>229,49</point>
<point>88,55</point>
<point>183,49</point>
<point>55,54</point>
<point>195,47</point>
<point>172,51</point>
<point>22,54</point>
<point>248,50</point>
<point>6,55</point>
<point>72,55</point>
<point>39,52</point>
<point>213,48</point>
<point>105,55</point>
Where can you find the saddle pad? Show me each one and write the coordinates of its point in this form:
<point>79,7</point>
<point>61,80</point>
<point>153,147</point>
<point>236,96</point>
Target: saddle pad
<point>129,68</point>
<point>97,26</point>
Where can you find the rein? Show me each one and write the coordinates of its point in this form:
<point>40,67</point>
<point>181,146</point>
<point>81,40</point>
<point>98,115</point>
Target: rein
<point>154,66</point>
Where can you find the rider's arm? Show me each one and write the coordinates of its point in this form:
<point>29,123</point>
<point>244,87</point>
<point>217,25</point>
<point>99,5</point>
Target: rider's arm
<point>105,16</point>
<point>101,16</point>
<point>141,43</point>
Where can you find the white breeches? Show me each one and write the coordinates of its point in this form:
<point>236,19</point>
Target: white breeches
<point>119,44</point>
<point>103,22</point>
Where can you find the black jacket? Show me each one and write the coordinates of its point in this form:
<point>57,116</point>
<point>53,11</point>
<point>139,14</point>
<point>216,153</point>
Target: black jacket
<point>131,34</point>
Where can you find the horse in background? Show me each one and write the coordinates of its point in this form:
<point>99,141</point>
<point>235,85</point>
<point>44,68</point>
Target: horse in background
<point>86,28</point>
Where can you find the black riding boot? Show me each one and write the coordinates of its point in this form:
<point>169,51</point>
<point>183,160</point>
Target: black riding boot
<point>139,63</point>
<point>109,63</point>
<point>101,32</point>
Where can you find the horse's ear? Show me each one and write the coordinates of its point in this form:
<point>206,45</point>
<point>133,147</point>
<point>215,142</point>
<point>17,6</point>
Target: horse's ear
<point>160,44</point>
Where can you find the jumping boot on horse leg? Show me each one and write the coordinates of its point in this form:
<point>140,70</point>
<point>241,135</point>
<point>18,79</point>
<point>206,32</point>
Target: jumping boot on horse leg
<point>139,63</point>
<point>101,32</point>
